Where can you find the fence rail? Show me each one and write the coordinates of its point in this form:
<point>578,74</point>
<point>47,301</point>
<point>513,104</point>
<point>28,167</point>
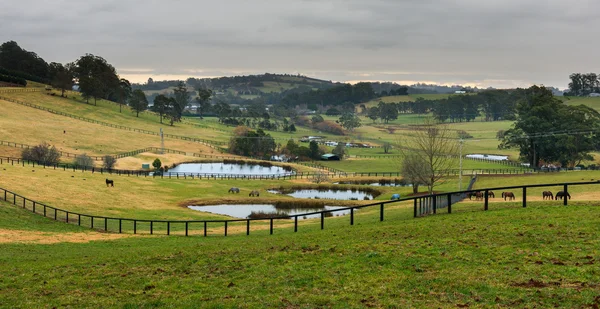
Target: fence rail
<point>210,143</point>
<point>288,176</point>
<point>423,205</point>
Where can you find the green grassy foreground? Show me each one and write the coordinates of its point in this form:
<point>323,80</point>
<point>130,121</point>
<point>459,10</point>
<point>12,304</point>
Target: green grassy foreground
<point>540,256</point>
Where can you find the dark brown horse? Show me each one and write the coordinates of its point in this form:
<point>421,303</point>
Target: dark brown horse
<point>478,196</point>
<point>509,195</point>
<point>491,194</point>
<point>561,194</point>
<point>547,195</point>
<point>254,193</point>
<point>110,182</point>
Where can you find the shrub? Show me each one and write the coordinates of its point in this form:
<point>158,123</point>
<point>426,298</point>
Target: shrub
<point>84,161</point>
<point>108,162</point>
<point>43,153</point>
<point>330,127</point>
<point>157,164</point>
<point>463,134</point>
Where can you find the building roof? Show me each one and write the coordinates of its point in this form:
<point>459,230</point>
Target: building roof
<point>329,155</point>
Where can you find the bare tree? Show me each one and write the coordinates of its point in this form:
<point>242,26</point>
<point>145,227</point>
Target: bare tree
<point>413,169</point>
<point>436,147</point>
<point>320,177</point>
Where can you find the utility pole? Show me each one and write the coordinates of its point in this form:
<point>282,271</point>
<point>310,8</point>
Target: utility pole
<point>460,166</point>
<point>162,142</point>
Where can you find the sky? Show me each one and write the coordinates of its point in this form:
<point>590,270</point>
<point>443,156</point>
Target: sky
<point>497,43</point>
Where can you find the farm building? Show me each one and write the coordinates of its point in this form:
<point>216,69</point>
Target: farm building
<point>330,157</point>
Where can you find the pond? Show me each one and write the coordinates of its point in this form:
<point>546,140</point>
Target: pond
<point>376,184</point>
<point>328,194</point>
<point>487,157</point>
<point>227,169</point>
<point>244,211</point>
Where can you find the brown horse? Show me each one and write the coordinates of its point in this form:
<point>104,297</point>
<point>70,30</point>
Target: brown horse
<point>110,182</point>
<point>562,194</point>
<point>491,194</point>
<point>479,196</point>
<point>254,193</point>
<point>547,195</point>
<point>509,195</point>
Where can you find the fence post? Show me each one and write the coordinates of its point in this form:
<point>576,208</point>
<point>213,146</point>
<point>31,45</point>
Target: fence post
<point>485,203</point>
<point>225,228</point>
<point>434,201</point>
<point>105,224</point>
<point>381,212</point>
<point>415,208</point>
<point>204,228</point>
<point>449,203</point>
<point>271,226</point>
<point>134,226</point>
<point>120,230</point>
<point>322,220</point>
<point>565,195</point>
<point>524,197</point>
<point>247,227</point>
<point>351,216</point>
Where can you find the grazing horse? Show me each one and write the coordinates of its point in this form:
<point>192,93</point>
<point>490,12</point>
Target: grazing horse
<point>561,194</point>
<point>478,196</point>
<point>547,195</point>
<point>509,195</point>
<point>254,193</point>
<point>110,182</point>
<point>234,190</point>
<point>471,194</point>
<point>491,194</point>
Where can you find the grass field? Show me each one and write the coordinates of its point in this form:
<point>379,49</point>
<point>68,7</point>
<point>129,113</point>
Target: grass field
<point>540,256</point>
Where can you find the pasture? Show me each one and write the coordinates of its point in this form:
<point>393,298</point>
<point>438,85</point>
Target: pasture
<point>540,256</point>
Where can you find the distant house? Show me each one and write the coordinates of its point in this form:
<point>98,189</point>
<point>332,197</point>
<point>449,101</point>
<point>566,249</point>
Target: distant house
<point>330,157</point>
<point>460,92</point>
<point>594,94</point>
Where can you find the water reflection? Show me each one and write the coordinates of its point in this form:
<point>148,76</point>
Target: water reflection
<point>227,168</point>
<point>328,194</point>
<point>243,211</point>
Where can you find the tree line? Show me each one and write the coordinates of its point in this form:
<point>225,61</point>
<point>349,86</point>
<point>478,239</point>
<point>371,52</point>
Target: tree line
<point>583,84</point>
<point>548,131</point>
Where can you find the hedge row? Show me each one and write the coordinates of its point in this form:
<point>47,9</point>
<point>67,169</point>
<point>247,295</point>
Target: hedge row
<point>13,80</point>
<point>23,75</point>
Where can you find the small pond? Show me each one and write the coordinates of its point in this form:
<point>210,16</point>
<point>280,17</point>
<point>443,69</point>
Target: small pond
<point>244,211</point>
<point>227,169</point>
<point>328,194</point>
<point>487,157</point>
<point>376,184</point>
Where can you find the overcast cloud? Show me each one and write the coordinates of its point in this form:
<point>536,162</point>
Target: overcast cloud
<point>501,43</point>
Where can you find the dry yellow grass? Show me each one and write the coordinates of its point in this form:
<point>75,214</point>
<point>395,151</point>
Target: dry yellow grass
<point>22,124</point>
<point>109,112</point>
<point>35,237</point>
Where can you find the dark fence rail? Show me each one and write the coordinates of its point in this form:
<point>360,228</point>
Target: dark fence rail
<point>209,143</point>
<point>423,205</point>
<point>4,90</point>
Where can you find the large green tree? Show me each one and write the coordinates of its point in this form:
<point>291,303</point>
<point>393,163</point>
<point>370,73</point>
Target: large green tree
<point>123,92</point>
<point>61,76</point>
<point>549,131</point>
<point>203,100</point>
<point>162,105</point>
<point>349,121</point>
<point>138,102</point>
<point>96,77</point>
